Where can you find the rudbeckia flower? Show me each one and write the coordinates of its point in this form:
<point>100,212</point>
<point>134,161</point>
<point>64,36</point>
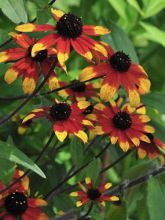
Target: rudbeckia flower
<point>68,31</point>
<point>123,125</point>
<point>151,149</point>
<point>79,90</point>
<point>23,127</point>
<point>65,118</point>
<point>119,70</point>
<point>26,65</point>
<point>16,203</point>
<point>92,194</point>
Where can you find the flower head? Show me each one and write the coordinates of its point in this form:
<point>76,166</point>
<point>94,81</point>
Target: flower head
<point>69,31</point>
<point>16,202</point>
<point>65,118</point>
<point>123,125</point>
<point>151,150</point>
<point>118,70</point>
<point>79,90</point>
<point>90,193</point>
<point>26,65</point>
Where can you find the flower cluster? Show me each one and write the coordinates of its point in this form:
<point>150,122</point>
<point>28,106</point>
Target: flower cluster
<point>83,109</point>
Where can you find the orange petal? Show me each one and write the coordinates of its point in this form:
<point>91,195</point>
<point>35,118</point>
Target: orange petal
<point>29,27</point>
<point>95,30</point>
<point>57,14</point>
<point>36,202</point>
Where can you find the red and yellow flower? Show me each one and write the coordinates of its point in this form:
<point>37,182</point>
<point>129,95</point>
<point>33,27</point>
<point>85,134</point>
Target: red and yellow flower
<point>26,65</point>
<point>66,118</point>
<point>123,125</point>
<point>119,70</point>
<point>151,150</point>
<point>79,90</point>
<point>92,194</point>
<point>16,203</point>
<point>69,31</point>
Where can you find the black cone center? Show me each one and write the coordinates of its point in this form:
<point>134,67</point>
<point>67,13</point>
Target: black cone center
<point>120,61</point>
<point>40,56</point>
<point>122,120</point>
<point>88,110</point>
<point>16,203</point>
<point>69,26</point>
<point>60,111</point>
<point>150,136</point>
<point>78,86</point>
<point>93,194</point>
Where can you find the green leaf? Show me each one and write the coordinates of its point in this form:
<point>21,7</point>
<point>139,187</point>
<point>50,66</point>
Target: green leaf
<point>152,7</point>
<point>119,40</point>
<point>117,212</point>
<point>10,152</point>
<point>135,4</point>
<point>119,6</point>
<point>7,170</point>
<point>94,169</point>
<point>14,10</point>
<point>156,199</point>
<point>153,33</point>
<point>155,100</point>
<point>76,150</point>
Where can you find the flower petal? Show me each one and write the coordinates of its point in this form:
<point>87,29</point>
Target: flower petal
<point>95,30</point>
<point>29,27</point>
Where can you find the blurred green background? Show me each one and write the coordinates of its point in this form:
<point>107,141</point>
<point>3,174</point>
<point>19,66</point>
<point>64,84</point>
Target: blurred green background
<point>138,29</point>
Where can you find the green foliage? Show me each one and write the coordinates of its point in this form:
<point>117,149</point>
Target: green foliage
<point>14,10</point>
<point>9,152</point>
<point>137,28</point>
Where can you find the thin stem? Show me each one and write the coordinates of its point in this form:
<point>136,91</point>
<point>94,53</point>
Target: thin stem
<point>5,119</point>
<point>70,85</point>
<point>52,192</point>
<point>51,2</point>
<point>130,183</point>
<point>116,161</point>
<point>87,213</point>
<point>28,171</point>
<point>6,42</point>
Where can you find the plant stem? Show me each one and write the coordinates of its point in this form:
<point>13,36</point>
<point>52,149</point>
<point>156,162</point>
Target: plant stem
<point>87,213</point>
<point>116,161</point>
<point>5,119</point>
<point>130,183</point>
<point>28,171</point>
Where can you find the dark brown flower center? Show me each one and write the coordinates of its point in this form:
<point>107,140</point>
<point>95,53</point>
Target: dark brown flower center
<point>150,136</point>
<point>40,56</point>
<point>69,26</point>
<point>16,203</point>
<point>88,110</point>
<point>120,61</point>
<point>122,120</point>
<point>78,86</point>
<point>60,111</point>
<point>93,194</point>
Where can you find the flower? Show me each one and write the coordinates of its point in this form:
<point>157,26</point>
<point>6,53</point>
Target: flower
<point>66,118</point>
<point>26,65</point>
<point>151,149</point>
<point>69,31</point>
<point>90,193</point>
<point>118,70</point>
<point>123,125</point>
<point>23,127</point>
<point>15,202</point>
<point>79,90</point>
